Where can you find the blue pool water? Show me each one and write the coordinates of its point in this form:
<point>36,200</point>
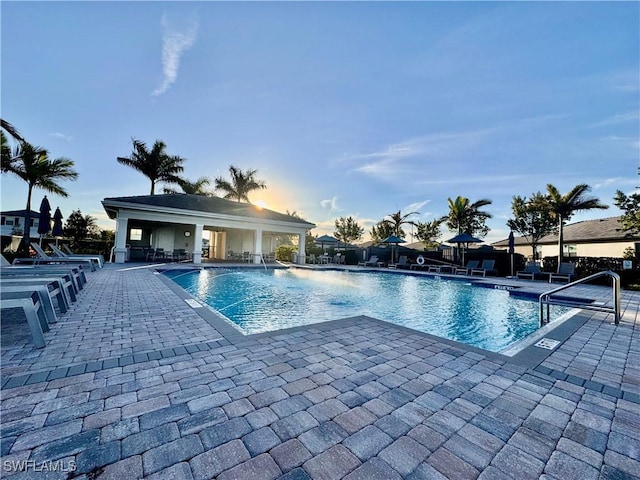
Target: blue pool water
<point>266,300</point>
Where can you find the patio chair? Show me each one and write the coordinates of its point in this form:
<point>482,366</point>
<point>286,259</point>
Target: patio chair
<point>531,270</point>
<point>487,266</point>
<point>373,261</point>
<point>157,254</point>
<point>566,271</point>
<point>55,288</point>
<point>98,259</point>
<point>74,272</point>
<point>33,311</point>
<point>402,262</point>
<point>468,269</point>
<point>25,291</point>
<point>44,259</point>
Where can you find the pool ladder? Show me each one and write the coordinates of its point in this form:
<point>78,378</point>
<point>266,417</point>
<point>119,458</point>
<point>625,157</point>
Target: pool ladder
<point>545,298</point>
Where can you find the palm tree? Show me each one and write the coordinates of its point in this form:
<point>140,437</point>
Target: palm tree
<point>155,164</point>
<point>242,183</point>
<point>466,217</point>
<point>562,207</point>
<point>193,188</point>
<point>32,164</point>
<point>11,130</point>
<point>396,220</point>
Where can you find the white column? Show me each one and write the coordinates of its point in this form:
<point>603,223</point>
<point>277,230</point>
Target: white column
<point>197,244</point>
<point>121,239</point>
<point>257,242</point>
<point>302,253</point>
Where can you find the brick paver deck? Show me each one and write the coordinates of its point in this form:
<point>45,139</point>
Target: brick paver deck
<point>135,383</point>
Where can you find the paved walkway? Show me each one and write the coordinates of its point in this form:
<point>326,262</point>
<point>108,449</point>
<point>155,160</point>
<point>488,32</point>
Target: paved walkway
<point>135,383</point>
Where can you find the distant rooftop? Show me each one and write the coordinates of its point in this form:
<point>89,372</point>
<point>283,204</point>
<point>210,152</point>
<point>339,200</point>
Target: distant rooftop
<point>600,230</point>
<point>200,203</point>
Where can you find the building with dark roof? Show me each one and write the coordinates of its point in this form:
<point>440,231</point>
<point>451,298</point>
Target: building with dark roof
<point>603,237</point>
<point>181,221</point>
<point>13,222</point>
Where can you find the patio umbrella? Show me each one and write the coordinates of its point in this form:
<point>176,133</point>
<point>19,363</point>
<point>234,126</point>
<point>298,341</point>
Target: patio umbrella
<point>465,239</point>
<point>328,239</point>
<point>512,244</point>
<point>392,240</point>
<point>44,223</point>
<point>57,223</point>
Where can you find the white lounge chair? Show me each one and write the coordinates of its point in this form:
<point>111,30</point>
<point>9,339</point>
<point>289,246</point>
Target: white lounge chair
<point>373,262</point>
<point>98,259</point>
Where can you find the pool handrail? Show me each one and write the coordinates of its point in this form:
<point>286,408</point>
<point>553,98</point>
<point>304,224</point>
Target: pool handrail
<point>545,298</point>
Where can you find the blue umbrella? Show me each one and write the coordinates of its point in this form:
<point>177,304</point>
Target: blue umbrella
<point>57,223</point>
<point>44,223</point>
<point>392,240</point>
<point>464,238</point>
<point>328,239</point>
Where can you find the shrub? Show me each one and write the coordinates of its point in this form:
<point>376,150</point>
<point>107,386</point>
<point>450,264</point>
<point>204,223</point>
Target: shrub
<point>284,253</point>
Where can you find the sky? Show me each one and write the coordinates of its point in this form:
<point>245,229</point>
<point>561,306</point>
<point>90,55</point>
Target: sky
<point>344,108</point>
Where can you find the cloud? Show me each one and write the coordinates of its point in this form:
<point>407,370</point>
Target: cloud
<point>617,182</point>
<point>61,136</point>
<point>416,206</point>
<point>331,204</point>
<point>619,118</point>
<point>175,41</point>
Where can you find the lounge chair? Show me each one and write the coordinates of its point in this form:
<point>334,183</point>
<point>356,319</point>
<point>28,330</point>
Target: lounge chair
<point>71,253</point>
<point>74,272</point>
<point>98,259</point>
<point>487,266</point>
<point>373,262</point>
<point>22,291</point>
<point>55,288</point>
<point>530,272</point>
<point>33,311</point>
<point>44,259</point>
<point>468,269</point>
<point>566,271</point>
<point>402,263</point>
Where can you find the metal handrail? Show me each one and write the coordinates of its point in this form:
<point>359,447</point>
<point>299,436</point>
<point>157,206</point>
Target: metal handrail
<point>545,298</point>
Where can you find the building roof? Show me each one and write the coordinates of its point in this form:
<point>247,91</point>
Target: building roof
<point>199,203</point>
<point>588,231</point>
<point>19,213</point>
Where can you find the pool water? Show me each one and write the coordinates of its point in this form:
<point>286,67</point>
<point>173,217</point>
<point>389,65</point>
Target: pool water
<point>266,300</point>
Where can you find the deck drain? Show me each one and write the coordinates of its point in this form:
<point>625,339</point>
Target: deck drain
<point>547,343</point>
<point>193,303</point>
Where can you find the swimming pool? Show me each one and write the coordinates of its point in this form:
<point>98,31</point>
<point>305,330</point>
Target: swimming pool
<point>258,301</point>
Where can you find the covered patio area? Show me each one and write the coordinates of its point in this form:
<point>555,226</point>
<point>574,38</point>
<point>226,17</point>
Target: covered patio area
<point>182,226</point>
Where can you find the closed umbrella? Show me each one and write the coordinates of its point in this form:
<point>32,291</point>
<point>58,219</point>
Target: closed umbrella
<point>57,223</point>
<point>44,222</point>
<point>512,249</point>
<point>392,240</point>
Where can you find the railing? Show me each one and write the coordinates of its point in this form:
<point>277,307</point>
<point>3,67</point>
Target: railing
<point>545,298</point>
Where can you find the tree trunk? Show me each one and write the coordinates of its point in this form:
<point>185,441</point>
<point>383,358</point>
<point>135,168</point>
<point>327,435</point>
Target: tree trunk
<point>26,236</point>
<point>560,241</point>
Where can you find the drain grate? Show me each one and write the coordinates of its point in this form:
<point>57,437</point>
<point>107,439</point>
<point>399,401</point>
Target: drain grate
<point>547,343</point>
<point>193,303</point>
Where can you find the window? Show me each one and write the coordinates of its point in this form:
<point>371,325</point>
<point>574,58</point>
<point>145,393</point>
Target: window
<point>9,222</point>
<point>569,250</point>
<point>135,234</point>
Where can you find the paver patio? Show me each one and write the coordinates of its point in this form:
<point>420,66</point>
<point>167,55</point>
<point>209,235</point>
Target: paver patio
<point>136,383</point>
